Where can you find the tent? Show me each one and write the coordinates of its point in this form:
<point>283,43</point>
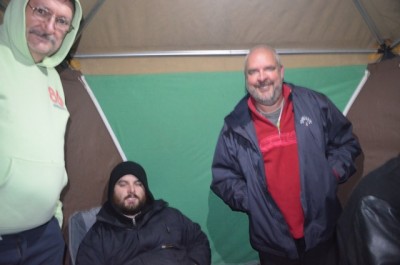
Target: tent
<point>170,122</point>
<point>152,80</point>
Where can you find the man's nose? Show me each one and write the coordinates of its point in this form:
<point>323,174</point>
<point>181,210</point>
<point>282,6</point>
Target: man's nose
<point>50,25</point>
<point>261,76</point>
<point>131,189</point>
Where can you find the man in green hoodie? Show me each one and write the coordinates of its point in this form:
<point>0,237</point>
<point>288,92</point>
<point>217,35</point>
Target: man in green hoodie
<point>36,36</point>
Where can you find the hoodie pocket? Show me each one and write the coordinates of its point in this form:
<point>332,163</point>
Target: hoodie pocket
<point>29,190</point>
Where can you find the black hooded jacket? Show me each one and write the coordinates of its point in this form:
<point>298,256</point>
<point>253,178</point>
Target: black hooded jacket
<point>368,231</point>
<point>158,235</point>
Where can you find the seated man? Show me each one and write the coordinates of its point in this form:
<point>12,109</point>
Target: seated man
<point>133,228</point>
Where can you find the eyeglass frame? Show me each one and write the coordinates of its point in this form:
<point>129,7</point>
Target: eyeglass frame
<point>48,15</point>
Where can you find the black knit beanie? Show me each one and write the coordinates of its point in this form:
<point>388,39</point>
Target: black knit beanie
<point>126,168</point>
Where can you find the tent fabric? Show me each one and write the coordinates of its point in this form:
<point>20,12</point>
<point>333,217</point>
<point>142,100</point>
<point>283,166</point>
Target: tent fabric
<point>330,32</point>
<point>90,152</point>
<point>187,64</point>
<point>134,26</point>
<point>376,119</point>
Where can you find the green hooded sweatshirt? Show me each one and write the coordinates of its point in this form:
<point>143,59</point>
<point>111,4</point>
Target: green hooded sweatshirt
<point>33,119</point>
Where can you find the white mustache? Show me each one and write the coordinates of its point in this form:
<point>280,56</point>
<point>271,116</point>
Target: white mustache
<point>43,35</point>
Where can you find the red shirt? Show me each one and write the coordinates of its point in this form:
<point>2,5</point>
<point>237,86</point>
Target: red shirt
<point>281,162</point>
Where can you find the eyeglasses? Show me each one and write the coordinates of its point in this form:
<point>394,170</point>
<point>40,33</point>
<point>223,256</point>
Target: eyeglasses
<point>45,15</point>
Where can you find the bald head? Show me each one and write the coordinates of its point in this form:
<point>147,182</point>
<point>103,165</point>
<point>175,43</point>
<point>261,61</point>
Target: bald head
<point>262,49</point>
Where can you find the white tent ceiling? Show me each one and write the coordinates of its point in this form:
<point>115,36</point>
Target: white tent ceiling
<point>134,26</point>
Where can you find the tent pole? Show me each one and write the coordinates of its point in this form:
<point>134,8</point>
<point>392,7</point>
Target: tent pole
<point>370,23</point>
<point>217,53</point>
<point>85,21</point>
<point>395,43</point>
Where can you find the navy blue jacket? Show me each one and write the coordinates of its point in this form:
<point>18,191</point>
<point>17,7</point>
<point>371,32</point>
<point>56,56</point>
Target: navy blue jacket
<point>160,235</point>
<point>326,145</point>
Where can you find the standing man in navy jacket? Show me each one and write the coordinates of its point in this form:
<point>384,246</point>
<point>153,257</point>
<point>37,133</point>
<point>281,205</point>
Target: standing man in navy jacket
<point>280,156</point>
